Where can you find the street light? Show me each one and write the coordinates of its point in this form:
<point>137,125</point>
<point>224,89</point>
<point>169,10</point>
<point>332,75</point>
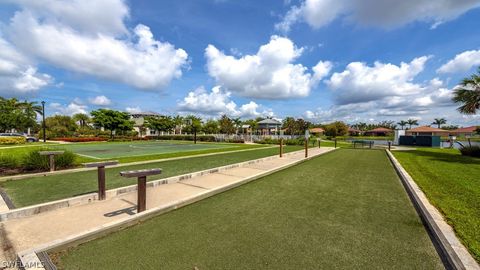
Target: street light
<point>43,122</point>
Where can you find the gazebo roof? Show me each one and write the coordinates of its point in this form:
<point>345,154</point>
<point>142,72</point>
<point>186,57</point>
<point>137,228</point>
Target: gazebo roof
<point>269,122</point>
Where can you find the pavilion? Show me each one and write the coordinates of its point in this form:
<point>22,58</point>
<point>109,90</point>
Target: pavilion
<point>269,126</point>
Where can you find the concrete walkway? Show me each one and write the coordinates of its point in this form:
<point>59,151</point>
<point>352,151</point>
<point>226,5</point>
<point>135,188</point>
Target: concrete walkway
<point>30,232</point>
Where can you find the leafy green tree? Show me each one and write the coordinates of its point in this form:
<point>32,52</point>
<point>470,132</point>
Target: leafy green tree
<point>227,126</point>
<point>161,123</point>
<point>82,119</point>
<point>290,125</point>
<point>195,124</point>
<point>252,123</point>
<point>412,122</point>
<point>179,122</point>
<point>468,94</point>
<point>335,129</point>
<point>439,122</point>
<point>18,115</point>
<point>211,127</point>
<point>60,126</point>
<point>112,120</point>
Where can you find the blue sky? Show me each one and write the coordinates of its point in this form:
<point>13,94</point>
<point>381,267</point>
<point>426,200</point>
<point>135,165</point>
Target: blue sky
<point>317,59</point>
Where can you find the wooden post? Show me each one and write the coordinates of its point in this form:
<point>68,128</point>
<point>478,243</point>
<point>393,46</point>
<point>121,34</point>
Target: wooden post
<point>51,157</point>
<point>389,145</point>
<point>101,176</point>
<point>141,185</point>
<point>306,147</point>
<point>281,147</point>
<point>335,142</point>
<point>319,142</point>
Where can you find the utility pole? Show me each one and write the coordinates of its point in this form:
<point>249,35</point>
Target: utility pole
<point>43,122</point>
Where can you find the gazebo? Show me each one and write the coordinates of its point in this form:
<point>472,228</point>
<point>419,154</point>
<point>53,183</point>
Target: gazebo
<point>269,126</point>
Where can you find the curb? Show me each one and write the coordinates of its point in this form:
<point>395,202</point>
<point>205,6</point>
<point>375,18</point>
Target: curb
<point>454,255</point>
<point>41,174</point>
<point>29,257</point>
<point>91,197</point>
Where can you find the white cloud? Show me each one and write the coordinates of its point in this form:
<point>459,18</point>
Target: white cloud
<point>462,62</point>
<point>269,74</point>
<point>218,102</point>
<point>100,101</point>
<point>362,83</point>
<point>18,77</point>
<point>380,13</point>
<point>133,109</point>
<point>70,109</point>
<point>93,44</point>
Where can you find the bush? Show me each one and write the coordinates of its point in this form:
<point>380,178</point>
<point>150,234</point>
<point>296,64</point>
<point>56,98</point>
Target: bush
<point>201,138</point>
<point>472,151</point>
<point>12,140</point>
<point>8,162</point>
<point>80,139</point>
<point>34,161</point>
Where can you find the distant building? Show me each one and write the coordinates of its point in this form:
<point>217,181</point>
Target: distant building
<point>269,126</point>
<point>466,131</point>
<point>427,131</point>
<point>379,132</point>
<point>139,123</point>
<point>354,132</point>
<point>317,131</point>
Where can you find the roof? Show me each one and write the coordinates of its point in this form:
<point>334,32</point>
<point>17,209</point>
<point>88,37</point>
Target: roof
<point>138,114</point>
<point>380,129</point>
<point>464,129</point>
<point>354,130</point>
<point>427,129</point>
<point>317,130</point>
<point>270,122</point>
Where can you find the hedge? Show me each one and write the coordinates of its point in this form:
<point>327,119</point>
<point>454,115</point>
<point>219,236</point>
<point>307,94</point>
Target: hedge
<point>473,151</point>
<point>80,139</point>
<point>12,140</point>
<point>201,138</point>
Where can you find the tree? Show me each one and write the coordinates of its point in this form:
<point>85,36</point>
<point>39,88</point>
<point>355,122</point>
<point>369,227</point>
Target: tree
<point>160,123</point>
<point>18,115</point>
<point>237,123</point>
<point>179,122</point>
<point>402,124</point>
<point>468,94</point>
<point>211,127</point>
<point>112,120</point>
<point>227,126</point>
<point>82,119</point>
<point>412,122</point>
<point>301,125</point>
<point>196,124</point>
<point>289,124</point>
<point>60,126</point>
<point>335,129</point>
<point>477,130</point>
<point>439,122</point>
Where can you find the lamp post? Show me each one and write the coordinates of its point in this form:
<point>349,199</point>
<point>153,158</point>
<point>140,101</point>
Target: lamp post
<point>43,121</point>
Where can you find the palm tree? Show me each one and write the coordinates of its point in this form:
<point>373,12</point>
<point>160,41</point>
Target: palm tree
<point>412,122</point>
<point>82,118</point>
<point>439,122</point>
<point>178,121</point>
<point>402,124</point>
<point>468,94</point>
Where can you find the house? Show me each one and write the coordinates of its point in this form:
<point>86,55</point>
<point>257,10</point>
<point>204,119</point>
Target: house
<point>317,131</point>
<point>269,126</point>
<point>354,132</point>
<point>139,123</point>
<point>464,132</point>
<point>381,131</point>
<point>427,131</point>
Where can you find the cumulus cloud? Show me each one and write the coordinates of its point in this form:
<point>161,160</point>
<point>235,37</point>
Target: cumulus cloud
<point>100,101</point>
<point>462,62</point>
<point>269,74</point>
<point>18,76</point>
<point>361,83</point>
<point>95,42</point>
<point>133,109</point>
<point>380,13</point>
<point>70,109</point>
<point>217,102</point>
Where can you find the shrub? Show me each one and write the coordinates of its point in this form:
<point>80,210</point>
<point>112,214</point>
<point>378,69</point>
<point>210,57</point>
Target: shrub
<point>80,139</point>
<point>12,140</point>
<point>34,161</point>
<point>8,162</point>
<point>473,151</point>
<point>201,138</point>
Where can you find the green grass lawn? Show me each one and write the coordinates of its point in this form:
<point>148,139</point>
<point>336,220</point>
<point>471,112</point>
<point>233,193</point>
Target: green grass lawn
<point>54,187</point>
<point>343,210</point>
<point>452,184</point>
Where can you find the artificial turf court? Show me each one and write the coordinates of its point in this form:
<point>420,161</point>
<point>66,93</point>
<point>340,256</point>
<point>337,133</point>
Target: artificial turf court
<point>139,148</point>
<point>344,210</point>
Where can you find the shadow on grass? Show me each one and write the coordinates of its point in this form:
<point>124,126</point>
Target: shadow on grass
<point>445,157</point>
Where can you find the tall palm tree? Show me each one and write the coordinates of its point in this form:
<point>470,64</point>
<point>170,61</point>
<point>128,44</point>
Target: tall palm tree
<point>412,122</point>
<point>439,122</point>
<point>402,124</point>
<point>82,118</point>
<point>178,121</point>
<point>468,94</point>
